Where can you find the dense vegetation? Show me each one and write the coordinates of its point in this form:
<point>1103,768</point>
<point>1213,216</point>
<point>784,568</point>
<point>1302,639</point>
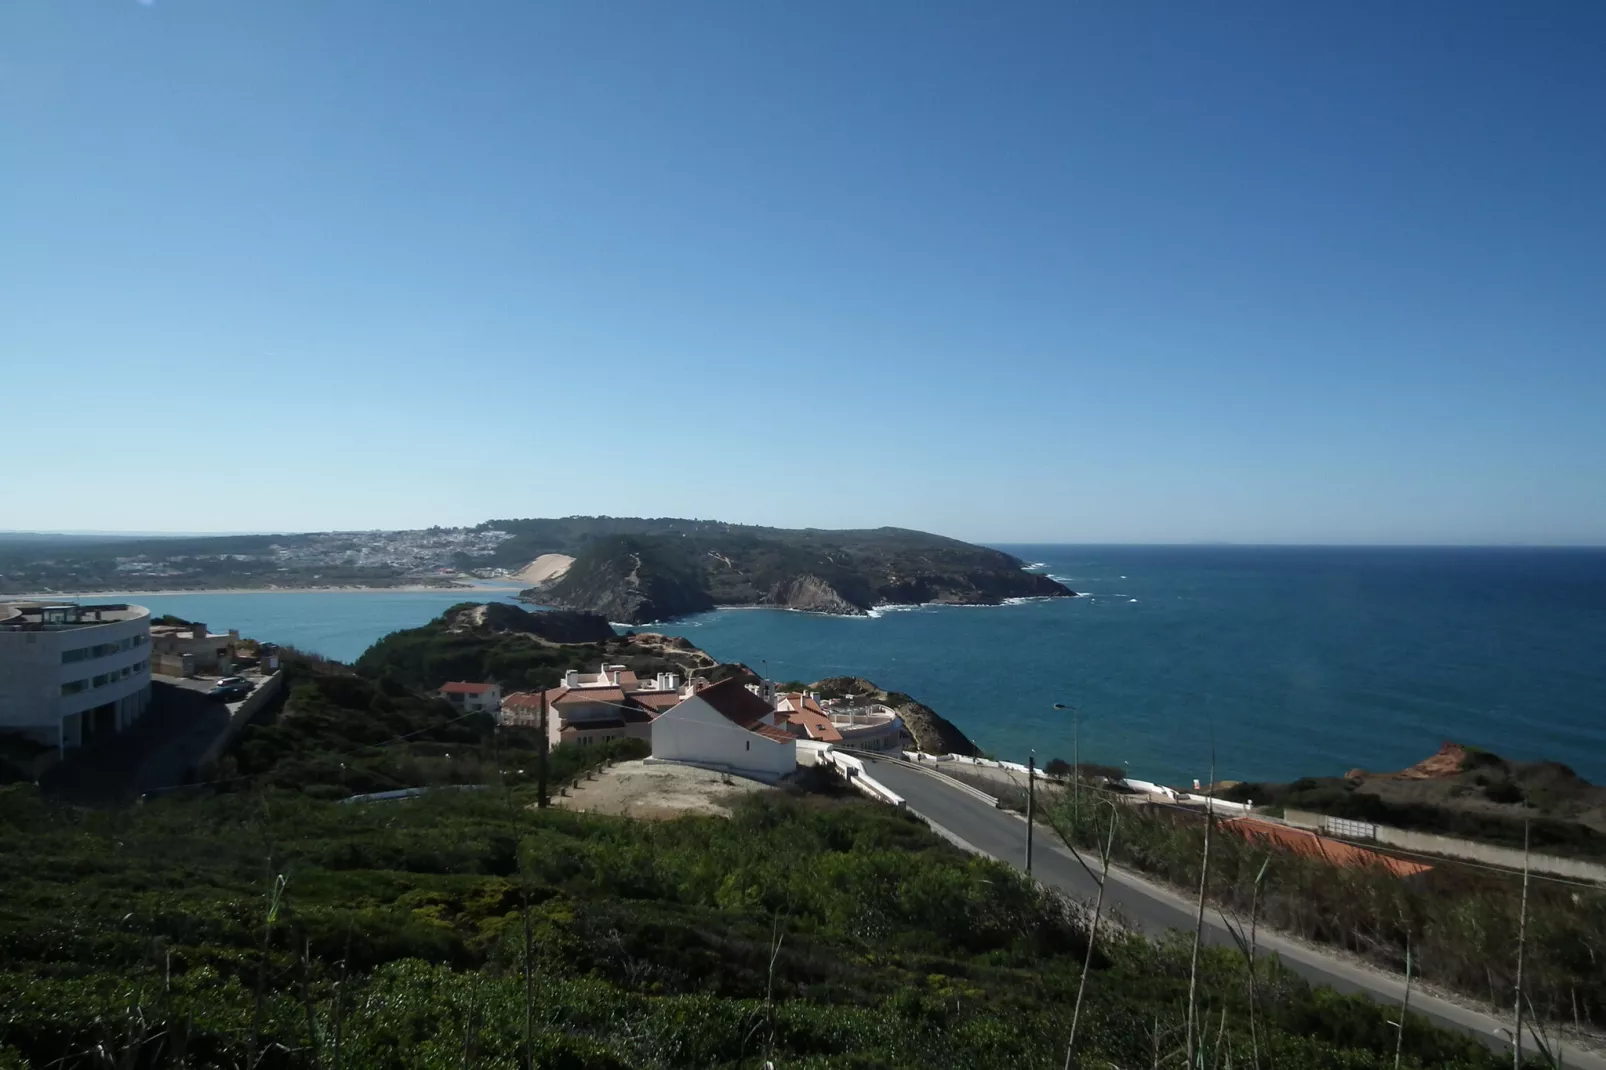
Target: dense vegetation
<point>269,929</point>
<point>643,570</point>
<point>1460,921</point>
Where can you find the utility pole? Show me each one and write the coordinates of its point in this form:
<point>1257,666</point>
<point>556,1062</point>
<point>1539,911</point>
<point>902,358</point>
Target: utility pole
<point>1031,807</point>
<point>540,776</point>
<point>1522,940</point>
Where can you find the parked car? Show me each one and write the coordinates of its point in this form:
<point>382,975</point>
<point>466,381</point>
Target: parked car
<point>234,681</point>
<point>229,692</point>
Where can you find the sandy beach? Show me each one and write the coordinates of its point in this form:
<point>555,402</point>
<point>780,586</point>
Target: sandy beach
<point>544,568</point>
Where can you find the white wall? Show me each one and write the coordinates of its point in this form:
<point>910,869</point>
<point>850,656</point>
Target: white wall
<point>696,732</point>
<point>32,675</point>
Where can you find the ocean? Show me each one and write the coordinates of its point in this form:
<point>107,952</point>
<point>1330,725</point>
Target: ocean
<point>1288,661</point>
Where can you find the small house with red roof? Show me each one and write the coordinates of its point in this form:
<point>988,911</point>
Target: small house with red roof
<point>472,697</point>
<point>725,726</point>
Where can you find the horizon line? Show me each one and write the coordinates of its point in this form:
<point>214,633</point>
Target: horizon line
<point>1599,544</point>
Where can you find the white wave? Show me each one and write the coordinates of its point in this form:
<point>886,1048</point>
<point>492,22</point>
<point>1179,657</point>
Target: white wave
<point>1131,599</point>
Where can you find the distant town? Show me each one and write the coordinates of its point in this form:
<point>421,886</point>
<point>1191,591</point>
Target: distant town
<point>436,556</point>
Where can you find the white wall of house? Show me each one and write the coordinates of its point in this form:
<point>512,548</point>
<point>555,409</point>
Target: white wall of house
<point>697,733</point>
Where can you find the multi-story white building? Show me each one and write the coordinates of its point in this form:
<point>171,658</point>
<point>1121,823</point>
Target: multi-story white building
<point>72,673</point>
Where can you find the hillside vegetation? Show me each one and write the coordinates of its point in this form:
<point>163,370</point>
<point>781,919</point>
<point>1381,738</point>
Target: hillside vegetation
<point>270,930</point>
<point>633,571</point>
<point>1461,791</point>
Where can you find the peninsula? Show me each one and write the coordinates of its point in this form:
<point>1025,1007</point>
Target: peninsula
<point>633,571</point>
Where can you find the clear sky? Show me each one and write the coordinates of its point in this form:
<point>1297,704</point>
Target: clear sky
<point>1245,271</point>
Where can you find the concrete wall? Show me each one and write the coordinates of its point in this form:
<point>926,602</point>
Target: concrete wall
<point>249,708</point>
<point>695,732</point>
<point>1449,846</point>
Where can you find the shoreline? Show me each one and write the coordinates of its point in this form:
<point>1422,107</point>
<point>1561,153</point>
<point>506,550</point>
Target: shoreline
<point>405,588</point>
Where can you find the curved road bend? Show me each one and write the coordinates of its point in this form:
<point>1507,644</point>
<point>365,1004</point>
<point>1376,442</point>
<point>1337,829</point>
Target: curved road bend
<point>1154,909</point>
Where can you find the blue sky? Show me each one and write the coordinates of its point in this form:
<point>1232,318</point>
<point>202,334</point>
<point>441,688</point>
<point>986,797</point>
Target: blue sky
<point>1244,271</point>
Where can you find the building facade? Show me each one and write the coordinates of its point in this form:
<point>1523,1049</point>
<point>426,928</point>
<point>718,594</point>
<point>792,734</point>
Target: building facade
<point>472,697</point>
<point>725,726</point>
<point>189,649</point>
<point>70,674</point>
<point>590,708</point>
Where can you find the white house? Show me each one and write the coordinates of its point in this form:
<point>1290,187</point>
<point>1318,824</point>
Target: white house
<point>472,697</point>
<point>725,726</point>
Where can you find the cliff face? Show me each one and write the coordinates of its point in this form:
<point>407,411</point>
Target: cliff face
<point>812,594</point>
<point>638,578</point>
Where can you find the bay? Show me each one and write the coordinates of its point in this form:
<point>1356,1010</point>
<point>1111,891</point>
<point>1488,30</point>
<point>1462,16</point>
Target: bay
<point>1292,661</point>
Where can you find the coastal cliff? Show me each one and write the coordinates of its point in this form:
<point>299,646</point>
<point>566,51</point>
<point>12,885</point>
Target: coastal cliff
<point>812,594</point>
<point>671,568</point>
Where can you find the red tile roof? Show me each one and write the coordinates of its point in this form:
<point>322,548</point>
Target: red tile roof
<point>459,688</point>
<point>1309,844</point>
<point>657,701</point>
<point>816,725</point>
<point>769,731</point>
<point>737,704</point>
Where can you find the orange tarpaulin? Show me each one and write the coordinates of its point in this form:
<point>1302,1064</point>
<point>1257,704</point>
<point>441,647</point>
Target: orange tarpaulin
<point>1309,844</point>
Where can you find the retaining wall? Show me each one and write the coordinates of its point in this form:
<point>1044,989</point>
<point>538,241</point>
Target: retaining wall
<point>1450,846</point>
<point>253,704</point>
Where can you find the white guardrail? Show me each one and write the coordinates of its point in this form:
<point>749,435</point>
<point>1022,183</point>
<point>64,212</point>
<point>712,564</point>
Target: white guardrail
<point>1144,787</point>
<point>852,770</point>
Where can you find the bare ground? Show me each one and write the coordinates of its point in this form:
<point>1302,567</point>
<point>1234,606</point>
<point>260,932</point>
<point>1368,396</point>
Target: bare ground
<point>657,792</point>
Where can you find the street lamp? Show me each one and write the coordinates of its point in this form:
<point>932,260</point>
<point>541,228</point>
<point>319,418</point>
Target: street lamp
<point>1076,759</point>
<point>1031,800</point>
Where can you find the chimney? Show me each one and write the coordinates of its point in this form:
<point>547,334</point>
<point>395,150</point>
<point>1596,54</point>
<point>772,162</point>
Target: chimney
<point>570,678</point>
<point>197,630</point>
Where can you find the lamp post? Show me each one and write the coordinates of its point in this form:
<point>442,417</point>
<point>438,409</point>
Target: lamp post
<point>1031,800</point>
<point>1076,759</point>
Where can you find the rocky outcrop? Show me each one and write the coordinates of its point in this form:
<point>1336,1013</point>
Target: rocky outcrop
<point>555,626</point>
<point>932,732</point>
<point>812,594</point>
<point>675,568</point>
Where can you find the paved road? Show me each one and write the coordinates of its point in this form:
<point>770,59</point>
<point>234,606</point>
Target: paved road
<point>1155,909</point>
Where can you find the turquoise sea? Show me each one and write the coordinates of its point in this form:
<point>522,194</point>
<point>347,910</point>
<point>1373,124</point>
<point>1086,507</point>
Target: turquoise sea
<point>1294,661</point>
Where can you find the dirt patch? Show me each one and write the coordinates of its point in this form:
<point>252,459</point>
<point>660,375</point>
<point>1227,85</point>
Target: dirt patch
<point>658,792</point>
<point>544,569</point>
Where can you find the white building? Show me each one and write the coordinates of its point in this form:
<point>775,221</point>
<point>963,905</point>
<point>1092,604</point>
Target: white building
<point>867,727</point>
<point>725,726</point>
<point>590,708</point>
<point>473,698</point>
<point>71,673</point>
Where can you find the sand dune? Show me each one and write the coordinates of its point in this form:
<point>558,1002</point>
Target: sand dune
<point>544,568</point>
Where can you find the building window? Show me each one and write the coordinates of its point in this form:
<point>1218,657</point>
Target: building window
<point>74,687</point>
<point>100,681</point>
<point>70,656</point>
